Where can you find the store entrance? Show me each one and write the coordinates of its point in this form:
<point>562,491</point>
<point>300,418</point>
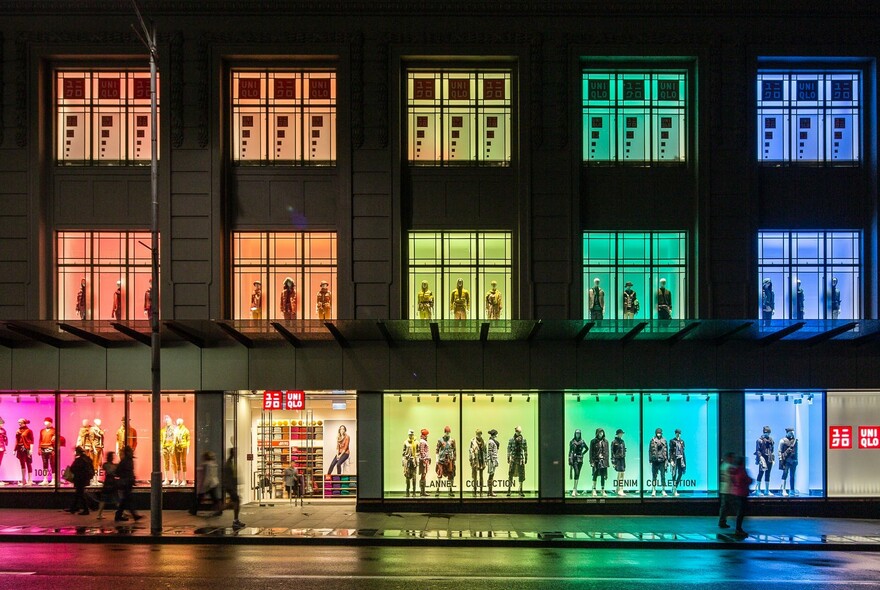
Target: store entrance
<point>287,454</point>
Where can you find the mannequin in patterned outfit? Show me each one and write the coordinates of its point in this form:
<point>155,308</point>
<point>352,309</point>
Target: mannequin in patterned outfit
<point>764,456</point>
<point>425,302</point>
<point>478,455</point>
<point>288,299</point>
<point>410,461</point>
<point>424,460</point>
<point>24,443</point>
<point>517,457</point>
<point>81,300</point>
<point>618,459</point>
<point>181,450</point>
<point>658,455</point>
<point>446,455</point>
<point>492,459</point>
<point>460,301</point>
<point>596,303</point>
<point>84,440</point>
<point>600,458</point>
<point>47,450</point>
<point>98,445</point>
<point>324,302</point>
<point>166,438</point>
<point>788,460</point>
<point>493,302</point>
<point>676,459</point>
<point>257,301</point>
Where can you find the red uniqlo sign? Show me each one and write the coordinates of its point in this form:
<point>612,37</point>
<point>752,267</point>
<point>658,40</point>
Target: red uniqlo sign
<point>459,89</point>
<point>108,88</point>
<point>423,89</point>
<point>248,88</point>
<point>74,88</point>
<point>493,89</point>
<point>285,88</point>
<point>869,437</point>
<point>141,88</point>
<point>289,399</point>
<point>840,437</point>
<point>319,88</point>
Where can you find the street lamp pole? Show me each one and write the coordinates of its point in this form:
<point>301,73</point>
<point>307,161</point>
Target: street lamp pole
<point>148,38</point>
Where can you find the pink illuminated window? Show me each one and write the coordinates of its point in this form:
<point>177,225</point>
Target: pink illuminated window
<point>103,275</point>
<point>102,117</point>
<point>271,258</point>
<point>283,117</point>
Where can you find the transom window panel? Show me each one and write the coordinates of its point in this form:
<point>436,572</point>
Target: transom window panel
<point>809,116</point>
<point>809,275</point>
<point>459,117</point>
<point>290,268</point>
<point>283,117</point>
<point>634,116</point>
<point>438,260</point>
<point>103,117</point>
<point>635,266</point>
<point>103,275</point>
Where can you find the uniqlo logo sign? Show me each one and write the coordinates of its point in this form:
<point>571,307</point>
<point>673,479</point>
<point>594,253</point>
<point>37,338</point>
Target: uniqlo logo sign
<point>319,88</point>
<point>869,437</point>
<point>840,437</point>
<point>285,88</point>
<point>249,88</point>
<point>459,89</point>
<point>493,89</point>
<point>141,88</point>
<point>289,399</point>
<point>423,89</point>
<point>74,88</point>
<point>108,88</point>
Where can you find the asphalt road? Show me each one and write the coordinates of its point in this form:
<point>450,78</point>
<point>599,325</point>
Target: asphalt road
<point>226,567</point>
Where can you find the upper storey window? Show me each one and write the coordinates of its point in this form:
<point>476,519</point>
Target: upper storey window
<point>809,116</point>
<point>103,117</point>
<point>458,117</point>
<point>634,116</point>
<point>284,117</point>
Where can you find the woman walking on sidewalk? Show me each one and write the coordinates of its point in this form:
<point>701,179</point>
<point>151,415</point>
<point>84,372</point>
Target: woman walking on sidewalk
<point>125,482</point>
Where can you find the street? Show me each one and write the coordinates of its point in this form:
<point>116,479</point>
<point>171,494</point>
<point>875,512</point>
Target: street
<point>90,566</point>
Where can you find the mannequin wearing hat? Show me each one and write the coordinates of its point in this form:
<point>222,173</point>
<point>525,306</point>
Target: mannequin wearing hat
<point>288,299</point>
<point>577,448</point>
<point>618,459</point>
<point>24,442</point>
<point>596,301</point>
<point>788,460</point>
<point>257,301</point>
<point>478,455</point>
<point>47,450</point>
<point>148,299</point>
<point>517,457</point>
<point>799,300</point>
<point>492,459</point>
<point>4,442</point>
<point>599,459</point>
<point>493,302</point>
<point>835,299</point>
<point>768,301</point>
<point>425,302</point>
<point>446,454</point>
<point>324,302</point>
<point>81,300</point>
<point>764,457</point>
<point>424,460</point>
<point>676,459</point>
<point>116,314</point>
<point>410,461</point>
<point>460,301</point>
<point>664,302</point>
<point>658,456</point>
<point>630,302</point>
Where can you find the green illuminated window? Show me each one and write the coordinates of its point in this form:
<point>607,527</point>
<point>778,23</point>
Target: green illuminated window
<point>442,258</point>
<point>643,258</point>
<point>458,117</point>
<point>634,116</point>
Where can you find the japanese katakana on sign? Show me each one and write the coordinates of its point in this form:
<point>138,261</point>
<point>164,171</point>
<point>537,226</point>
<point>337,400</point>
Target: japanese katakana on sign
<point>840,437</point>
<point>286,399</point>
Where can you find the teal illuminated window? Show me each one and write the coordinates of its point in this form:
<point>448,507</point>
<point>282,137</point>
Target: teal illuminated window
<point>809,116</point>
<point>458,117</point>
<point>647,260</point>
<point>440,259</point>
<point>809,275</point>
<point>634,116</point>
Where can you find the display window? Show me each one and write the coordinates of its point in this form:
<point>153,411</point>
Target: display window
<point>284,275</point>
<point>29,445</point>
<point>177,434</point>
<point>284,454</point>
<point>602,451</point>
<point>784,443</point>
<point>809,275</point>
<point>635,275</point>
<point>460,275</point>
<point>809,116</point>
<point>283,117</point>
<point>459,117</point>
<point>853,444</point>
<point>460,445</point>
<point>680,444</point>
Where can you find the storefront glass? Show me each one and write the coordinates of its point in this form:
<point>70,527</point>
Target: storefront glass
<point>22,418</point>
<point>853,444</point>
<point>177,435</point>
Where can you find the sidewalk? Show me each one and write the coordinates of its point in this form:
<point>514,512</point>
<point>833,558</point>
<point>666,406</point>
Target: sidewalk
<point>338,523</point>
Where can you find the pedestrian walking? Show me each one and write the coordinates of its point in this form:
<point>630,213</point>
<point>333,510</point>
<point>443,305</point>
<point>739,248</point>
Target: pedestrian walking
<point>109,487</point>
<point>724,490</point>
<point>125,484</point>
<point>208,477</point>
<point>230,486</point>
<point>83,472</point>
<point>740,482</point>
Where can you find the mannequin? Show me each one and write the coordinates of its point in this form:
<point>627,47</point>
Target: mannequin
<point>148,299</point>
<point>835,299</point>
<point>596,301</point>
<point>97,445</point>
<point>577,447</point>
<point>288,299</point>
<point>478,455</point>
<point>446,459</point>
<point>618,459</point>
<point>4,442</point>
<point>630,302</point>
<point>599,459</point>
<point>788,460</point>
<point>166,436</point>
<point>425,302</point>
<point>460,301</point>
<point>343,442</point>
<point>799,300</point>
<point>517,457</point>
<point>24,442</point>
<point>84,440</point>
<point>181,450</point>
<point>676,459</point>
<point>81,300</point>
<point>324,302</point>
<point>664,302</point>
<point>764,456</point>
<point>121,438</point>
<point>493,302</point>
<point>492,459</point>
<point>768,301</point>
<point>116,314</point>
<point>257,301</point>
<point>658,455</point>
<point>410,461</point>
<point>47,450</point>
<point>424,460</point>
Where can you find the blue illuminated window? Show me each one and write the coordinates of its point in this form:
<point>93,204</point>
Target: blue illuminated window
<point>811,275</point>
<point>634,116</point>
<point>809,116</point>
